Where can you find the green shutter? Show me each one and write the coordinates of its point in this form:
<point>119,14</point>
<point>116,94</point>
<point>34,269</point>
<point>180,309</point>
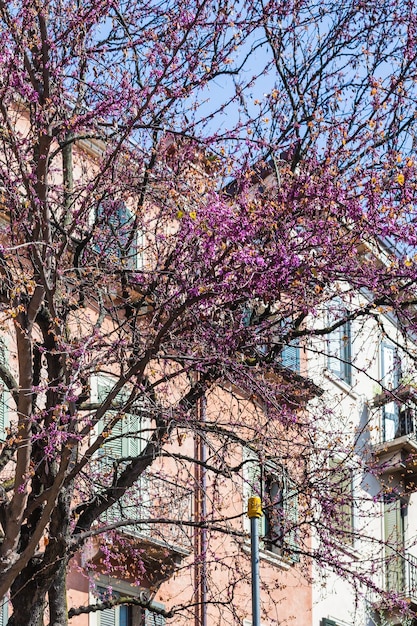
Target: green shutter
<point>341,492</point>
<point>133,444</point>
<point>339,344</point>
<point>3,415</point>
<point>252,486</point>
<point>127,439</point>
<point>290,510</point>
<point>327,622</point>
<point>113,447</point>
<point>4,397</point>
<point>394,539</point>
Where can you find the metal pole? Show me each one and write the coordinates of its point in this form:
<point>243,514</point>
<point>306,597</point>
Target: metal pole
<point>254,513</point>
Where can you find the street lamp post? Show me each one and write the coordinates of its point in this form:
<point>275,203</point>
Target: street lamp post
<point>254,513</point>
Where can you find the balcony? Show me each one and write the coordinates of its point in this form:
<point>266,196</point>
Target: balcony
<point>396,452</point>
<point>164,507</point>
<point>400,588</point>
<point>401,577</point>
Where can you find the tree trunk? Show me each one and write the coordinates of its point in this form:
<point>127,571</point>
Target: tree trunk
<point>27,599</point>
<point>47,577</point>
<point>58,608</point>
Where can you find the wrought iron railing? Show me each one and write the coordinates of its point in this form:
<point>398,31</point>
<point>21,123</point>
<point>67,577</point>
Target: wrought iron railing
<point>401,576</point>
<point>398,423</point>
<point>162,509</point>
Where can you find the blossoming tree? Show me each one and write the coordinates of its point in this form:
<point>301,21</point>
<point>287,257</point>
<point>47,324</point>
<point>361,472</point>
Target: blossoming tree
<point>184,189</point>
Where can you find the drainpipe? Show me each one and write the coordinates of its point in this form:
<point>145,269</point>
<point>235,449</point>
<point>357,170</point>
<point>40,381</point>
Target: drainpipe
<point>200,508</point>
<point>203,451</point>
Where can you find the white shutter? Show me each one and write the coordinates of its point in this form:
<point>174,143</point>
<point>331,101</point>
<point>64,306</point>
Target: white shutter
<point>4,612</point>
<point>154,619</point>
<point>107,617</point>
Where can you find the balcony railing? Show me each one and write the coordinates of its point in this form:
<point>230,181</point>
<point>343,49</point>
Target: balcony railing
<point>398,422</point>
<point>401,576</point>
<point>164,508</point>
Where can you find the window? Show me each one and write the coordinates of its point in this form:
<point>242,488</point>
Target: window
<point>4,396</point>
<point>287,355</point>
<point>127,439</point>
<point>129,435</point>
<point>390,378</point>
<point>341,505</point>
<point>339,342</point>
<point>395,511</point>
<point>113,237</point>
<point>118,616</point>
<point>4,612</point>
<point>279,495</point>
<point>154,619</point>
<point>290,356</point>
<point>127,615</point>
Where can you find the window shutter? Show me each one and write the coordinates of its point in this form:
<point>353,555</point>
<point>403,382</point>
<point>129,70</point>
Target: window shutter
<point>108,617</point>
<point>128,438</point>
<point>394,538</point>
<point>133,442</point>
<point>4,397</point>
<point>290,510</point>
<point>341,492</point>
<point>334,344</point>
<point>390,367</point>
<point>347,352</point>
<point>114,446</point>
<point>4,612</point>
<point>340,353</point>
<point>339,344</point>
<point>327,622</point>
<point>390,377</point>
<point>252,486</point>
<point>290,356</point>
<point>154,619</point>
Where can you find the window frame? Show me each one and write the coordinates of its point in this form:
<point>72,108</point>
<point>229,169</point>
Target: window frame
<point>4,395</point>
<point>286,506</point>
<point>139,616</point>
<point>122,444</point>
<point>339,359</point>
<point>347,511</point>
<point>390,379</point>
<point>395,514</point>
<point>4,611</point>
<point>108,234</point>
